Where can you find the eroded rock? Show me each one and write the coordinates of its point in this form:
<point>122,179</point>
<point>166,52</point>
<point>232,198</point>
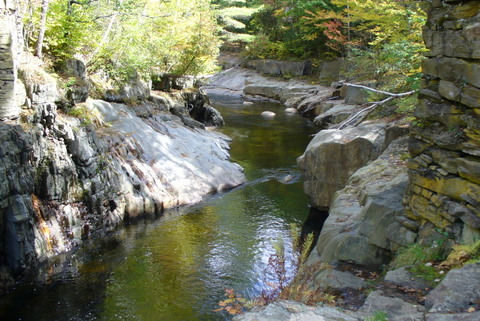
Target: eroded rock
<point>362,226</point>
<point>395,308</point>
<point>459,291</point>
<point>333,155</point>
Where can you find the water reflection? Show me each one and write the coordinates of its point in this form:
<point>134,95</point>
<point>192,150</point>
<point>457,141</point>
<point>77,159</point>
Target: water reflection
<point>177,267</point>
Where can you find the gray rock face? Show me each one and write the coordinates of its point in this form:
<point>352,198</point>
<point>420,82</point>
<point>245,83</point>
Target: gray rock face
<point>449,144</point>
<point>354,95</point>
<point>294,311</point>
<point>363,225</point>
<point>136,89</point>
<point>41,87</point>
<point>395,308</point>
<point>475,316</point>
<point>64,180</point>
<point>404,278</point>
<point>330,72</point>
<point>75,86</point>
<point>167,82</point>
<point>280,68</point>
<point>334,279</point>
<point>457,292</point>
<point>334,115</point>
<point>238,82</point>
<point>333,155</point>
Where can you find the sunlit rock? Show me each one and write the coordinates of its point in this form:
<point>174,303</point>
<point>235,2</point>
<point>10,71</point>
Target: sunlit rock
<point>268,114</point>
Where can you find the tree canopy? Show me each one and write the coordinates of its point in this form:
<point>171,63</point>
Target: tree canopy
<point>379,39</point>
<point>122,36</point>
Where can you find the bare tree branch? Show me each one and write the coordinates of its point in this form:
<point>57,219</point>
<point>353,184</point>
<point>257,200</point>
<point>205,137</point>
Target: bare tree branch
<point>356,118</point>
<point>408,93</point>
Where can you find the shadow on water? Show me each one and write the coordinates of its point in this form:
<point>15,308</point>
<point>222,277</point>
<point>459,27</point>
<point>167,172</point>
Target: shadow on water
<point>178,266</point>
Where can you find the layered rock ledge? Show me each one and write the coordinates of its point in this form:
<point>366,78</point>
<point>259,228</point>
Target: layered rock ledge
<point>72,169</point>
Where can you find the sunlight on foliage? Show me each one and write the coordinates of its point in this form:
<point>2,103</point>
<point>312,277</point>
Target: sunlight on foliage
<point>128,37</point>
<point>462,254</point>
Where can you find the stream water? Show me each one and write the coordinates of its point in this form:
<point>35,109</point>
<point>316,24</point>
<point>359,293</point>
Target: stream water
<point>177,267</point>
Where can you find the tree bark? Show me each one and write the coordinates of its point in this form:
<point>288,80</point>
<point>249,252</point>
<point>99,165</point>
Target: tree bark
<point>41,32</point>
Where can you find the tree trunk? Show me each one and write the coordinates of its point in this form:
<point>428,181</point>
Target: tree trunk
<point>41,32</point>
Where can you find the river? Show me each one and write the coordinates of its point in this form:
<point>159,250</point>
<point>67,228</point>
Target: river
<point>178,266</point>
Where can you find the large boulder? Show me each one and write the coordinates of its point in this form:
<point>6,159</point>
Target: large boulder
<point>74,86</point>
<point>364,226</point>
<point>459,291</point>
<point>333,155</point>
<point>334,115</point>
<point>396,309</point>
<point>404,278</point>
<point>41,87</point>
<point>330,72</point>
<point>332,279</point>
<point>134,90</point>
<point>168,82</point>
<point>267,90</point>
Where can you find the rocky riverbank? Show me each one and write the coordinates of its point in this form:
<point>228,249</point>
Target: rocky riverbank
<point>401,240</point>
<point>73,167</point>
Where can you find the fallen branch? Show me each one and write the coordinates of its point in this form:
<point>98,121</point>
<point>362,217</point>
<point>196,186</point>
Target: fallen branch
<point>356,118</point>
<point>408,93</point>
<point>363,113</point>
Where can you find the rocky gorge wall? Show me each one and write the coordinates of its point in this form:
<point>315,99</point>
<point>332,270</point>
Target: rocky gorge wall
<point>423,191</point>
<point>444,191</point>
<point>441,200</point>
<point>74,167</point>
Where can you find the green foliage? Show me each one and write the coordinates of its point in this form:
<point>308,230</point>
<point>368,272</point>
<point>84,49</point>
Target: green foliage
<point>68,29</point>
<point>462,254</point>
<point>407,105</point>
<point>126,38</point>
<point>69,82</point>
<point>424,261</point>
<point>262,48</point>
<point>380,40</point>
<point>300,290</point>
<point>284,22</point>
<point>370,22</point>
<point>234,19</point>
<point>378,316</point>
<point>427,272</point>
<point>87,115</point>
<point>395,66</point>
<point>413,255</point>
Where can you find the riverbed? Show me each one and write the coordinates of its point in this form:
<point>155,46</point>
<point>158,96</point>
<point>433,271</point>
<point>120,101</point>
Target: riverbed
<point>178,266</point>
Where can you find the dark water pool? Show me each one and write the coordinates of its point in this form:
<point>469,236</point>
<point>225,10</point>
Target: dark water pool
<point>178,266</point>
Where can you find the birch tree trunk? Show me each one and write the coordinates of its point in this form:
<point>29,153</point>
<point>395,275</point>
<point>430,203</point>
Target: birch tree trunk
<point>43,25</point>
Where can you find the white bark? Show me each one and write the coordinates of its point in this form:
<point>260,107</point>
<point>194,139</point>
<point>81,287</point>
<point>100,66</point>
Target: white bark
<point>356,118</point>
<point>43,26</point>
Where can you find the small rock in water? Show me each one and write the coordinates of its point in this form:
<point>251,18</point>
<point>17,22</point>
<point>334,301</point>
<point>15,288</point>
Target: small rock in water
<point>268,114</point>
<point>291,110</point>
<point>287,179</point>
<point>247,103</point>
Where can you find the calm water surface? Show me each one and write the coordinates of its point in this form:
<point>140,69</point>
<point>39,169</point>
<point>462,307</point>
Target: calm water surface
<point>178,266</point>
